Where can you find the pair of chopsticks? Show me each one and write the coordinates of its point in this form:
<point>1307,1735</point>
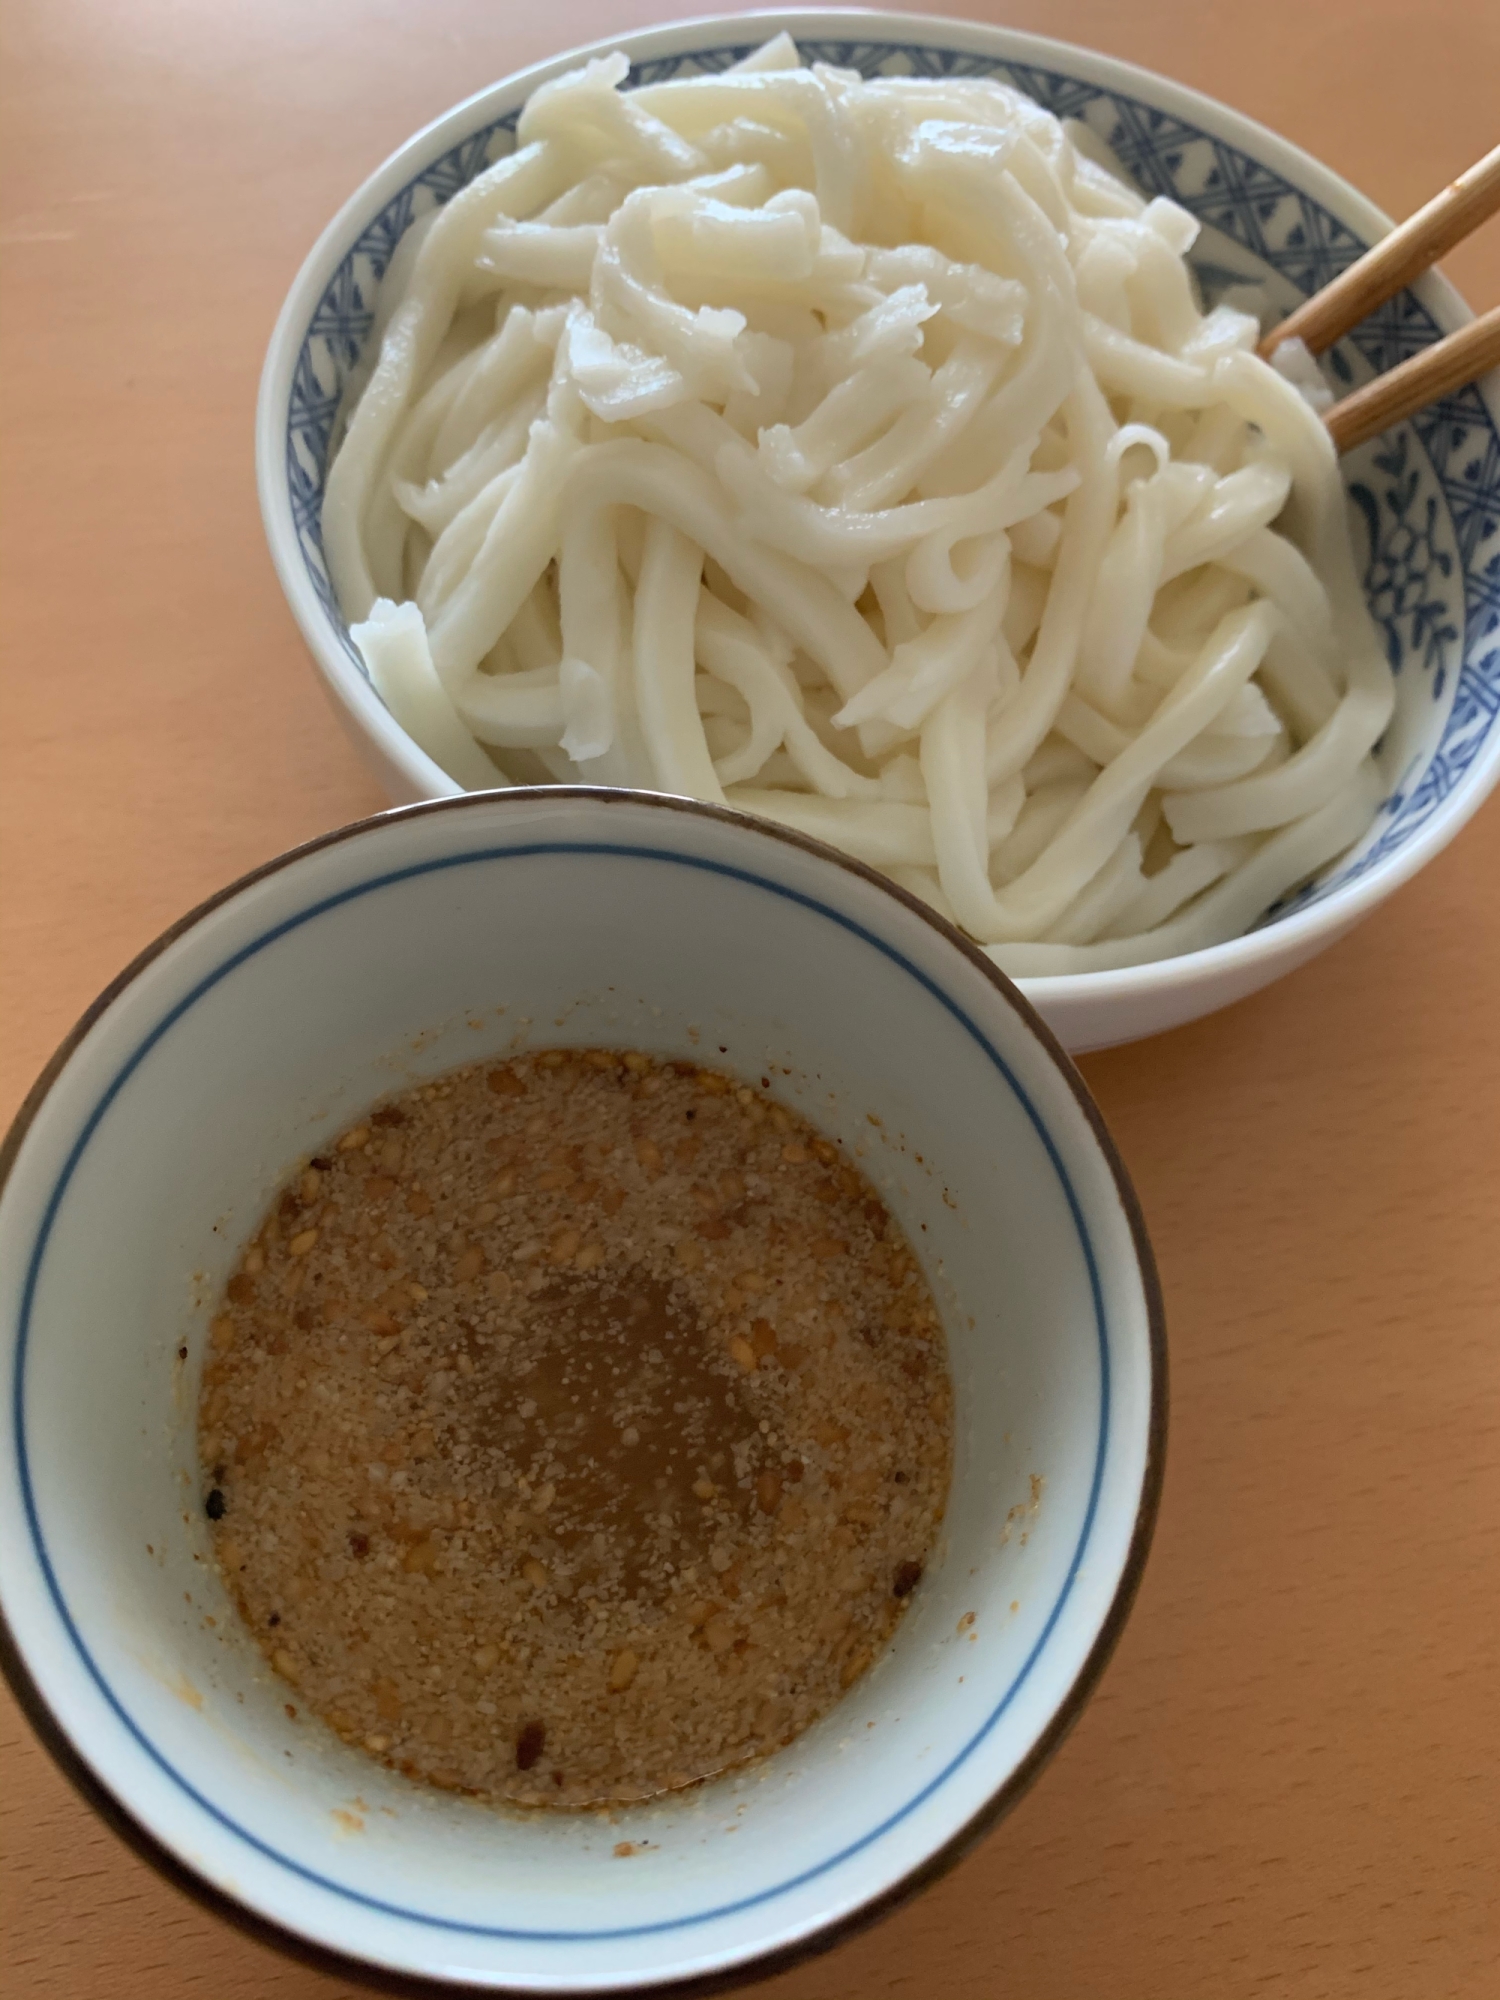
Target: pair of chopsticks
<point>1405,254</point>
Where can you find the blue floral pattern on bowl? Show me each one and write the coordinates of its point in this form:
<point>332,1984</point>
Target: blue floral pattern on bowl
<point>1426,497</point>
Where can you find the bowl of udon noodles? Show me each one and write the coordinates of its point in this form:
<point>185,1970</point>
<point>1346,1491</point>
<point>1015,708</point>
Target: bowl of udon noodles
<point>854,420</point>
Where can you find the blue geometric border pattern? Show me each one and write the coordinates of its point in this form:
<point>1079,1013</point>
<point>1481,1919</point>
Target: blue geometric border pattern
<point>1430,486</point>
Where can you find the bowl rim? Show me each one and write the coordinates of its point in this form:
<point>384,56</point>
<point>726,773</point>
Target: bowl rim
<point>1301,931</point>
<point>267,1928</point>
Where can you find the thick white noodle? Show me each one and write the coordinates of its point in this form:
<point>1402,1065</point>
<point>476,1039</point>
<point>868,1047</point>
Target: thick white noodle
<point>857,453</point>
<point>393,641</point>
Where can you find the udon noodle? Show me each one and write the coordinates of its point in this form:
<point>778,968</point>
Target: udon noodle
<point>857,453</point>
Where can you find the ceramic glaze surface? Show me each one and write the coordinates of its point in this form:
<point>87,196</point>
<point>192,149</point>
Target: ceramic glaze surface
<point>447,935</point>
<point>1425,499</point>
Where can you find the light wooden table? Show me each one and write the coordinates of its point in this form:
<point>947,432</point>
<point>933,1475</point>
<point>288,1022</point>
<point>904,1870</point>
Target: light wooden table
<point>1287,1784</point>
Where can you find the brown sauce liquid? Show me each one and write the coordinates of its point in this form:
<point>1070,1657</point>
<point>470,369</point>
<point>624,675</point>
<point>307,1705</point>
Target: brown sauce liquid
<point>575,1429</point>
<point>620,1411</point>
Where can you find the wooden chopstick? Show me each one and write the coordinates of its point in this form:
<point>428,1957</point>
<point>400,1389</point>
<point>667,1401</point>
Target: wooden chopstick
<point>1410,249</point>
<point>1446,365</point>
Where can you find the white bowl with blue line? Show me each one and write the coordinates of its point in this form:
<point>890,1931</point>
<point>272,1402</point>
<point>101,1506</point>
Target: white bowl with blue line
<point>1425,498</point>
<point>446,933</point>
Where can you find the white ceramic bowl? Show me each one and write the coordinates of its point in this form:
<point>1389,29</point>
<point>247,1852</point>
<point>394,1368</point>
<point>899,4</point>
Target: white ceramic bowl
<point>1426,497</point>
<point>443,934</point>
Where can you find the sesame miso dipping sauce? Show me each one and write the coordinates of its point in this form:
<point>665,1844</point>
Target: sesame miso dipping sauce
<point>575,1429</point>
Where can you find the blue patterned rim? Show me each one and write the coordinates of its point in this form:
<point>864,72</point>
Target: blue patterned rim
<point>1426,496</point>
<point>603,850</point>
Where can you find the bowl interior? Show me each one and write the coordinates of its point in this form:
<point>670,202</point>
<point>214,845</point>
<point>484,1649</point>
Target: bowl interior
<point>1425,498</point>
<point>442,937</point>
